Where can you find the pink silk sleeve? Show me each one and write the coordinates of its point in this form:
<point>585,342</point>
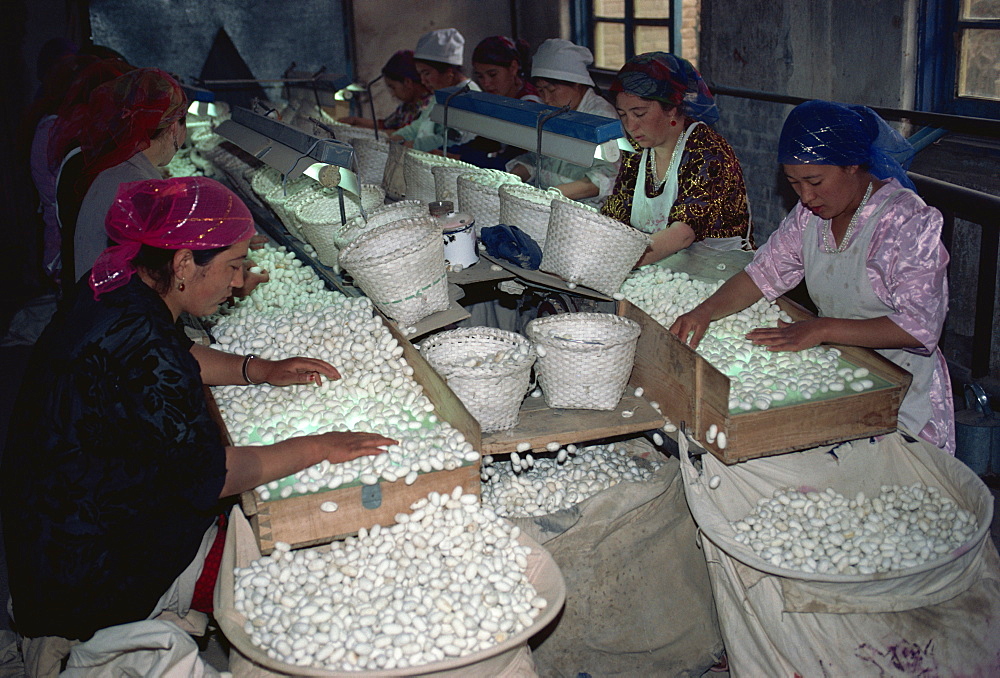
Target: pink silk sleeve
<point>777,265</point>
<point>907,267</point>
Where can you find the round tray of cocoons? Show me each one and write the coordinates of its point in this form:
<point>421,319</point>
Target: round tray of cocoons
<point>585,247</point>
<point>241,549</point>
<point>584,359</point>
<point>478,195</point>
<point>528,208</point>
<point>400,266</point>
<point>380,216</point>
<point>488,369</point>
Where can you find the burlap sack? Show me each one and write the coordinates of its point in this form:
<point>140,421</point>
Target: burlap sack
<point>638,597</point>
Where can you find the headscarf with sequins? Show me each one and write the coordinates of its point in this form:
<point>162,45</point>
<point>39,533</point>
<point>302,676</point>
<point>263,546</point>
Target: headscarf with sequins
<point>664,77</point>
<point>195,213</point>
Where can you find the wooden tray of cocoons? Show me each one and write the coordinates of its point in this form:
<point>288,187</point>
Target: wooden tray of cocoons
<point>690,390</point>
<point>300,522</point>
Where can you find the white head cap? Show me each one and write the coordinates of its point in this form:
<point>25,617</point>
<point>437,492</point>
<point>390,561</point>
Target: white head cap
<point>445,45</point>
<point>562,60</point>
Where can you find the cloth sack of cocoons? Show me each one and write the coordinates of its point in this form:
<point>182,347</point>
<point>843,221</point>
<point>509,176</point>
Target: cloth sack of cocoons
<point>638,598</point>
<point>512,244</point>
<point>938,618</point>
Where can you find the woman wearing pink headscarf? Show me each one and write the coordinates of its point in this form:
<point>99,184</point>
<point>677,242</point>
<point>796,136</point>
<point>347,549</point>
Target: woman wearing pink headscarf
<point>114,472</point>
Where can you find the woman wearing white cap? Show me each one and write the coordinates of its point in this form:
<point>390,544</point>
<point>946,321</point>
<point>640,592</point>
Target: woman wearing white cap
<point>438,58</point>
<point>559,71</point>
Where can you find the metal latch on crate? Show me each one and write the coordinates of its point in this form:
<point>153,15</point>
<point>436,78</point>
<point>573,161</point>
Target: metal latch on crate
<point>371,496</point>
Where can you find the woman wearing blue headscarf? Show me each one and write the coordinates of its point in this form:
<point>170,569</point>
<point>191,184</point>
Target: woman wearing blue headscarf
<point>869,249</point>
<point>685,185</point>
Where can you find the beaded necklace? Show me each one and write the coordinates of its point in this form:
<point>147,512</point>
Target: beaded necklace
<point>658,183</point>
<point>828,231</point>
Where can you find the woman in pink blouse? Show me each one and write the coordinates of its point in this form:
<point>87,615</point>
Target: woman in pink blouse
<point>869,249</point>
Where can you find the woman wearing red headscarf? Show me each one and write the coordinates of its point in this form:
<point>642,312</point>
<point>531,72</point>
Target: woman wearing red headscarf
<point>114,471</point>
<point>136,124</point>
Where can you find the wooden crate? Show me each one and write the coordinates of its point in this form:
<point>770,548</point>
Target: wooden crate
<point>692,392</point>
<point>299,520</point>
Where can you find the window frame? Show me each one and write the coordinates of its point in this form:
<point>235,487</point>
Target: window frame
<point>938,61</point>
<point>584,18</point>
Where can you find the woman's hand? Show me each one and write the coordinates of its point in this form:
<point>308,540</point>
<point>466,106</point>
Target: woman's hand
<point>291,371</point>
<point>250,279</point>
<point>258,241</point>
<point>340,447</point>
<point>691,326</point>
<point>790,336</point>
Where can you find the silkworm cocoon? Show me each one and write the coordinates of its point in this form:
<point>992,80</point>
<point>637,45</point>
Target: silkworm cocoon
<point>571,285</point>
<point>657,439</point>
<point>536,393</point>
<point>721,440</point>
<point>639,391</point>
<point>714,482</point>
<point>552,447</point>
<point>540,351</point>
<point>627,413</point>
<point>523,446</point>
<point>711,433</point>
<point>328,506</point>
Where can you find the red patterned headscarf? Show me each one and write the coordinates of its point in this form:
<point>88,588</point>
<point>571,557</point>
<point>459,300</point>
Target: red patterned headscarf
<point>195,213</point>
<point>124,115</point>
<point>72,115</point>
<point>662,76</point>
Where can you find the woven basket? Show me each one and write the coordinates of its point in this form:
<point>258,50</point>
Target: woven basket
<point>588,248</point>
<point>372,155</point>
<point>446,180</point>
<point>584,359</point>
<point>400,267</point>
<point>348,133</point>
<point>528,208</point>
<point>264,179</point>
<point>478,196</point>
<point>492,392</point>
<point>318,218</point>
<point>418,176</point>
<point>278,196</point>
<point>404,209</point>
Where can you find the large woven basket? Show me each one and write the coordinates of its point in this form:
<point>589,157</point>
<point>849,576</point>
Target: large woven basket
<point>401,268</point>
<point>263,180</point>
<point>478,195</point>
<point>380,216</point>
<point>446,180</point>
<point>588,248</point>
<point>492,391</point>
<point>419,178</point>
<point>528,208</point>
<point>319,218</point>
<point>348,133</point>
<point>584,359</point>
<point>279,196</point>
<point>371,155</point>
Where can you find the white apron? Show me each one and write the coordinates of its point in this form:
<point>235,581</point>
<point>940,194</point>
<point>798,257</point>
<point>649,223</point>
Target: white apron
<point>651,215</point>
<point>838,283</point>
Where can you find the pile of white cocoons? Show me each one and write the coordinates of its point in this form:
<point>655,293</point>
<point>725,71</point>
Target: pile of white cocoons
<point>758,378</point>
<point>292,315</point>
<point>548,484</point>
<point>447,580</point>
<point>826,532</point>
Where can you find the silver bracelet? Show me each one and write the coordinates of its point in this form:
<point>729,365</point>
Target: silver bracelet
<point>246,361</point>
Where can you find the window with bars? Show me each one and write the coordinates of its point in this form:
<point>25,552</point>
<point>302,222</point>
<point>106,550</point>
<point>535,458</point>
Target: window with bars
<point>960,57</point>
<point>616,30</point>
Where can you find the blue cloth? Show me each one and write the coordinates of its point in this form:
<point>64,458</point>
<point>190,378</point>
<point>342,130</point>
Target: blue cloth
<point>827,133</point>
<point>511,244</point>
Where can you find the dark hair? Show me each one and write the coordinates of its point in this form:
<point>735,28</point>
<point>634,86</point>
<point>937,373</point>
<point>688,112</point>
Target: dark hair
<point>567,83</point>
<point>439,66</point>
<point>400,67</point>
<point>499,50</point>
<point>158,263</point>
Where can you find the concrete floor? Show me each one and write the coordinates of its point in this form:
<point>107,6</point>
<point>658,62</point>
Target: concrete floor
<point>13,360</point>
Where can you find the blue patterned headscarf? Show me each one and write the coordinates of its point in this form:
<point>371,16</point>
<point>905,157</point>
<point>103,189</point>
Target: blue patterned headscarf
<point>827,133</point>
<point>661,76</point>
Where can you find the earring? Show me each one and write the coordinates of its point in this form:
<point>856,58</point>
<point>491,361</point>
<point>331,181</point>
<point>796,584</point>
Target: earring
<point>673,123</point>
<point>180,285</point>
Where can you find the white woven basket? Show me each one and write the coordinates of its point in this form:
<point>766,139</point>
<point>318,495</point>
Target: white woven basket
<point>263,180</point>
<point>279,196</point>
<point>528,208</point>
<point>400,267</point>
<point>584,359</point>
<point>588,248</point>
<point>446,180</point>
<point>492,391</point>
<point>478,195</point>
<point>348,133</point>
<point>318,218</point>
<point>372,155</point>
<point>418,176</point>
<point>380,216</point>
